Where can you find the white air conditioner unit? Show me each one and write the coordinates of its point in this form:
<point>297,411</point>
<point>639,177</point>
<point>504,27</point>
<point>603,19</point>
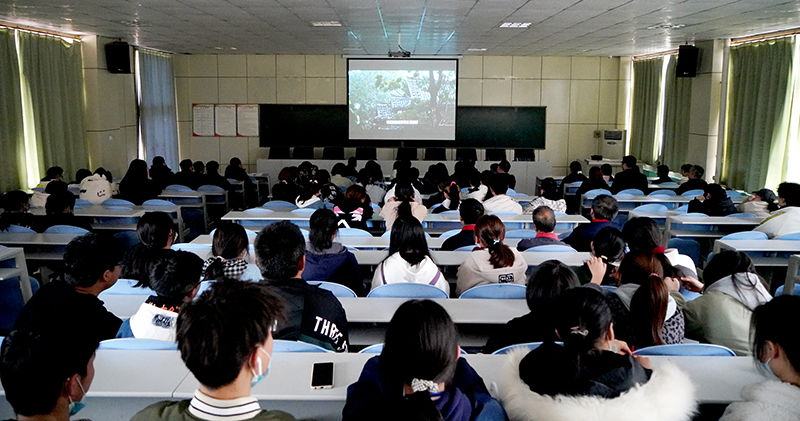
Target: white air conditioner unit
<point>612,144</point>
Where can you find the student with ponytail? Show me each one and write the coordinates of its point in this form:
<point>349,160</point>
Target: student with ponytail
<point>592,375</point>
<point>493,262</point>
<point>402,204</point>
<point>452,196</point>
<point>419,375</point>
<point>229,248</point>
<point>328,260</point>
<point>409,258</point>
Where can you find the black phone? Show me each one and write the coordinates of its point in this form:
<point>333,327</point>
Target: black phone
<point>322,375</point>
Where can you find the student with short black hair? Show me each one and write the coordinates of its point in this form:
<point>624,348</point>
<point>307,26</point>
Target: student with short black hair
<point>46,375</point>
<point>53,173</point>
<point>160,173</point>
<point>469,212</point>
<point>136,186</point>
<point>339,175</point>
<point>663,175</point>
<point>548,196</point>
<point>242,317</point>
<point>685,169</point>
<point>694,182</point>
<point>547,282</point>
<point>493,262</point>
<point>630,177</point>
<point>58,211</point>
<point>328,260</point>
<point>713,202</point>
<point>786,219</point>
<point>212,176</point>
<point>544,222</point>
<point>592,372</point>
<point>604,210</point>
<point>15,211</point>
<point>419,375</point>
<point>481,190</point>
<point>91,266</point>
<point>315,315</point>
<point>504,167</point>
<point>594,182</point>
<point>575,173</point>
<point>155,230</point>
<point>606,169</point>
<point>500,201</point>
<point>776,349</point>
<point>409,258</point>
<point>286,189</point>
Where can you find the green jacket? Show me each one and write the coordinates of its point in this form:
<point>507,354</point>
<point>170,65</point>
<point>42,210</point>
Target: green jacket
<point>719,319</point>
<point>179,411</point>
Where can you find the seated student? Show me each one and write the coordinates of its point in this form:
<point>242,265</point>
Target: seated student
<point>136,187</point>
<point>663,175</point>
<point>39,199</point>
<point>494,262</point>
<point>185,176</point>
<point>46,374</point>
<point>548,196</point>
<point>594,182</point>
<point>777,350</point>
<point>287,188</point>
<point>236,171</point>
<point>550,279</point>
<point>760,203</point>
<point>328,192</point>
<point>328,260</point>
<point>544,222</point>
<point>55,173</point>
<point>213,178</point>
<point>374,191</point>
<point>500,202</point>
<point>242,316</point>
<point>79,176</point>
<point>503,167</point>
<point>339,175</point>
<point>469,212</point>
<point>592,375</point>
<point>714,202</point>
<point>409,258</point>
<point>59,212</point>
<point>786,219</point>
<point>604,210</point>
<point>354,210</point>
<point>694,182</point>
<point>91,266</point>
<point>419,375</point>
<point>685,170</point>
<point>630,177</point>
<point>732,291</point>
<point>314,315</point>
<point>175,277</point>
<point>575,174</point>
<point>405,176</point>
<point>229,247</point>
<point>452,197</point>
<point>155,231</point>
<point>15,211</point>
<point>481,190</point>
<point>351,170</point>
<point>645,313</point>
<point>402,204</point>
<point>160,172</point>
<point>609,246</point>
<point>309,195</point>
<point>644,234</point>
<point>606,169</point>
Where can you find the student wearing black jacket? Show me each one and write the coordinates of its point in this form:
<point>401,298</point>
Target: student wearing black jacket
<point>713,202</point>
<point>630,177</point>
<point>469,211</point>
<point>695,181</point>
<point>594,182</point>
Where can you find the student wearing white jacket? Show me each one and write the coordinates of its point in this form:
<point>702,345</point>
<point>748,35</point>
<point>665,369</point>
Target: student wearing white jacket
<point>409,258</point>
<point>495,262</point>
<point>776,346</point>
<point>785,220</point>
<point>500,202</point>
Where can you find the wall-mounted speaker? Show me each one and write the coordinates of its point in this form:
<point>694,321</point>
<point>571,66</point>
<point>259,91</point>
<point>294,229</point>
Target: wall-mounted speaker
<point>687,61</point>
<point>118,57</point>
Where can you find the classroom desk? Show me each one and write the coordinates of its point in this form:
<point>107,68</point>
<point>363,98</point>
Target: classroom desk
<point>434,243</point>
<point>659,217</point>
<point>792,275</point>
<point>192,199</point>
<point>769,250</point>
<point>17,269</point>
<point>718,226</point>
<point>38,246</point>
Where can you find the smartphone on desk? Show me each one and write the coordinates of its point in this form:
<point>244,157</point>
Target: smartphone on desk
<point>322,375</point>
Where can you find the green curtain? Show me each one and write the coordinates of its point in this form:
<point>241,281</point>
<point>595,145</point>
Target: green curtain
<point>644,119</point>
<point>12,136</point>
<point>52,69</point>
<point>757,112</point>
<point>677,113</point>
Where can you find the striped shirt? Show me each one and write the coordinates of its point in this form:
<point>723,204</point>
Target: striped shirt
<point>208,408</point>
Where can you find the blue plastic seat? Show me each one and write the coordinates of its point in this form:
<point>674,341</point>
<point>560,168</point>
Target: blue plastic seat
<point>552,248</point>
<point>796,291</point>
<point>449,212</point>
<point>688,247</point>
<point>11,301</point>
<point>372,349</point>
<point>746,235</point>
<point>388,234</point>
<point>793,236</point>
<point>467,248</point>
<point>157,202</point>
<point>662,192</point>
<point>407,290</point>
<point>651,207</point>
<point>530,346</point>
<point>742,215</point>
<point>682,209</point>
<point>178,187</point>
<point>65,229</point>
<point>353,232</point>
<point>448,234</point>
<point>695,350</point>
<point>210,188</point>
<point>501,291</point>
<point>733,194</point>
<point>504,213</point>
<point>338,290</point>
<point>523,233</point>
<point>375,207</point>
<point>81,202</point>
<point>126,287</point>
<point>118,202</point>
<point>596,192</point>
<point>632,192</point>
<point>281,345</point>
<point>138,344</point>
<point>693,193</point>
<point>304,211</point>
<point>20,229</point>
<point>259,210</point>
<point>279,204</point>
<point>609,287</point>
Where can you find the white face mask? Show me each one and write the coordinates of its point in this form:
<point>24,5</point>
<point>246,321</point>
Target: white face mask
<point>258,374</point>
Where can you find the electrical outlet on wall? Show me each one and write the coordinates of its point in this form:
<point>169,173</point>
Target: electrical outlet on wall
<point>597,134</point>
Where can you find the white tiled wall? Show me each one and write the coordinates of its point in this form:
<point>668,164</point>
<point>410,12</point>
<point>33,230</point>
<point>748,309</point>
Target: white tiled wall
<point>581,95</point>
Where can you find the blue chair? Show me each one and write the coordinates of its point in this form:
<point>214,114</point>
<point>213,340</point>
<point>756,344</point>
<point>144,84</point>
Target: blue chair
<point>662,192</point>
<point>407,290</point>
<point>126,287</point>
<point>504,213</point>
<point>688,247</point>
<point>632,192</point>
<point>279,205</point>
<point>552,248</point>
<point>281,345</point>
<point>329,205</point>
<point>733,194</point>
<point>118,202</point>
<point>448,234</point>
<point>127,238</point>
<point>20,229</point>
<point>211,188</point>
<point>560,213</point>
<point>65,229</point>
<point>259,210</point>
<point>685,350</point>
<point>682,209</point>
<point>448,212</point>
<point>693,193</point>
<point>530,346</point>
<point>466,248</point>
<point>796,291</point>
<point>375,207</point>
<point>596,192</point>
<point>793,236</point>
<point>81,202</point>
<point>523,233</point>
<point>39,189</point>
<point>178,187</point>
<point>11,302</point>
<point>438,205</point>
<point>338,290</point>
<point>372,349</point>
<point>304,211</point>
<point>746,235</point>
<point>501,291</point>
<point>651,207</point>
<point>353,232</point>
<point>138,344</point>
<point>610,288</point>
<point>157,202</point>
<point>672,185</point>
<point>742,215</point>
<point>388,234</point>
<point>564,234</point>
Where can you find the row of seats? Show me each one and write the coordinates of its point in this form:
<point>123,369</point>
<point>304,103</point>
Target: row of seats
<point>370,153</point>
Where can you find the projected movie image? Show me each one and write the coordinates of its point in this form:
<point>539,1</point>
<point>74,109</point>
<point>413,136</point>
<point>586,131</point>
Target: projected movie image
<point>402,104</point>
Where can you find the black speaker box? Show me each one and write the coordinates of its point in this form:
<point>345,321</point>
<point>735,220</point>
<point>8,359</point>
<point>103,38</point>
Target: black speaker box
<point>118,57</point>
<point>687,61</point>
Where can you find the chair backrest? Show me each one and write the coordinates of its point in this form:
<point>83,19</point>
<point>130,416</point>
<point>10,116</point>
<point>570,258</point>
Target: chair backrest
<point>138,344</point>
<point>503,213</point>
<point>65,229</point>
<point>682,209</point>
<point>178,187</point>
<point>210,187</point>
<point>742,215</point>
<point>796,291</point>
<point>733,194</point>
<point>793,236</point>
<point>530,346</point>
<point>501,291</point>
<point>338,290</point>
<point>407,290</point>
<point>746,235</point>
<point>157,202</point>
<point>632,192</point>
<point>449,212</point>
<point>20,229</point>
<point>275,204</point>
<point>372,349</point>
<point>259,210</point>
<point>126,287</point>
<point>596,192</point>
<point>81,202</point>
<point>651,207</point>
<point>699,350</point>
<point>662,192</point>
<point>522,233</point>
<point>353,232</point>
<point>448,234</point>
<point>686,246</point>
<point>552,248</point>
<point>304,211</point>
<point>117,202</point>
<point>388,234</point>
<point>467,248</point>
<point>693,193</point>
<point>673,185</point>
<point>281,345</point>
<point>696,215</point>
<point>375,207</point>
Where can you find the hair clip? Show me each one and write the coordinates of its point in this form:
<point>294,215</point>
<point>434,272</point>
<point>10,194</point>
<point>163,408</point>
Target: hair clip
<point>496,241</point>
<point>419,385</point>
<point>577,330</point>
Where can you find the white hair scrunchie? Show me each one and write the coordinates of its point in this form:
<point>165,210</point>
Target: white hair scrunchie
<point>429,386</point>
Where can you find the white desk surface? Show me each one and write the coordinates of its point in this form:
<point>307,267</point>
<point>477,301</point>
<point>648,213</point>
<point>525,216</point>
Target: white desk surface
<point>652,215</point>
<point>27,239</point>
<point>355,242</point>
<point>455,258</point>
<point>713,220</point>
<point>99,212</point>
<point>466,311</point>
<point>769,246</point>
<point>290,216</point>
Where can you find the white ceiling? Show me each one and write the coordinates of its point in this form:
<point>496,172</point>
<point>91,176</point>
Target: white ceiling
<point>559,27</point>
